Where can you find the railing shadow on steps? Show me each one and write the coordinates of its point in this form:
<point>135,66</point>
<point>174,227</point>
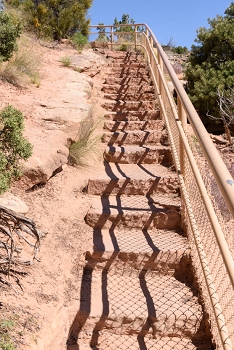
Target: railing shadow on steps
<point>144,337</point>
<point>209,235</point>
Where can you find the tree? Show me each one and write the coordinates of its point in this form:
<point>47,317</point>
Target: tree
<point>13,146</point>
<point>102,33</point>
<point>211,64</point>
<point>58,18</point>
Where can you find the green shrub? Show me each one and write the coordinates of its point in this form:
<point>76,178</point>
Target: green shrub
<point>13,146</point>
<point>9,32</point>
<point>123,47</point>
<point>79,40</point>
<point>180,50</point>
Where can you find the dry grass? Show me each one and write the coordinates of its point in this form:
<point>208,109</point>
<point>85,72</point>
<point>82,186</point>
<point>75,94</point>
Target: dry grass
<point>24,66</point>
<point>86,143</point>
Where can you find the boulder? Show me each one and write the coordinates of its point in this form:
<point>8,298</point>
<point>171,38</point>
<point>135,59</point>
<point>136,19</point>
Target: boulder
<point>9,201</point>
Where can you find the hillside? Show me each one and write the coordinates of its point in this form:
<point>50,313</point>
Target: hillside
<point>52,192</point>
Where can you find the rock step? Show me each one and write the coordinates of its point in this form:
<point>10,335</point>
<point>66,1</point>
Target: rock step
<point>138,154</point>
<point>134,179</point>
<point>126,65</point>
<point>138,137</point>
<point>112,80</point>
<point>144,96</point>
<point>108,341</point>
<point>145,305</point>
<point>126,69</point>
<point>125,56</point>
<point>133,116</point>
<point>134,125</point>
<point>126,73</point>
<point>139,106</point>
<point>128,88</point>
<point>134,212</point>
<point>130,252</point>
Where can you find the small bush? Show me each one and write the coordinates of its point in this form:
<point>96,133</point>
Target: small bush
<point>79,40</point>
<point>66,61</point>
<point>180,50</point>
<point>123,47</point>
<point>13,146</point>
<point>9,33</point>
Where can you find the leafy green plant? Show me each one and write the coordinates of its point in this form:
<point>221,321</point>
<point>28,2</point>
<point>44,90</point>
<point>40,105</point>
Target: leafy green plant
<point>79,40</point>
<point>66,61</point>
<point>13,146</point>
<point>85,142</point>
<point>9,33</point>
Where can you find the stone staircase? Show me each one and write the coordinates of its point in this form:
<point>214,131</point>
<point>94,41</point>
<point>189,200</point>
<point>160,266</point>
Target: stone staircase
<point>138,290</point>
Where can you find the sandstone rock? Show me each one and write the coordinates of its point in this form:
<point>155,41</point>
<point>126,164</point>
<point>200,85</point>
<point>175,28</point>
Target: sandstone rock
<point>88,62</point>
<point>9,201</point>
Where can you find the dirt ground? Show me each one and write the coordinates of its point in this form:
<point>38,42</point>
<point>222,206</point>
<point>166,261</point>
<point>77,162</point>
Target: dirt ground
<point>58,209</point>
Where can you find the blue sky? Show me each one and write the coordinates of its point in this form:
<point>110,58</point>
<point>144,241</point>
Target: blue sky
<point>178,19</point>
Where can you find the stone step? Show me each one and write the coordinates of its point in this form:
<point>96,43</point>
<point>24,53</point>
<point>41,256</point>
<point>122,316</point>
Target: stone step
<point>134,212</point>
<point>125,56</point>
<point>145,96</point>
<point>107,340</point>
<point>126,65</point>
<point>112,80</point>
<point>138,137</point>
<point>134,125</point>
<point>126,70</point>
<point>133,115</point>
<point>128,88</point>
<point>139,106</point>
<point>122,74</point>
<point>134,179</point>
<point>145,305</point>
<point>129,252</point>
<point>139,154</point>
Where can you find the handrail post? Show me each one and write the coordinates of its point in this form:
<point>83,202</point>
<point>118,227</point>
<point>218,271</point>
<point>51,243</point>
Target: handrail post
<point>135,37</point>
<point>183,118</point>
<point>111,38</point>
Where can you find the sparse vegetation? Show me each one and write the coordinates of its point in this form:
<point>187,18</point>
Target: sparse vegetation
<point>66,61</point>
<point>6,325</point>
<point>85,142</point>
<point>23,66</point>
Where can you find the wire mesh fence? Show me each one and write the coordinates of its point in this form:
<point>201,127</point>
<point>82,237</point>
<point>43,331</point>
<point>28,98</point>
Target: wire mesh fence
<point>214,258</point>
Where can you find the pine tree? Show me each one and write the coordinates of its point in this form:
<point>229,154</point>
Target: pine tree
<point>211,64</point>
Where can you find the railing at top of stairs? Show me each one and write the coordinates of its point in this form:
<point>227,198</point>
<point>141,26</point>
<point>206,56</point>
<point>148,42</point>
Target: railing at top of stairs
<point>200,169</point>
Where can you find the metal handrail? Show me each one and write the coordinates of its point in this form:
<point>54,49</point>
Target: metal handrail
<point>185,110</point>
